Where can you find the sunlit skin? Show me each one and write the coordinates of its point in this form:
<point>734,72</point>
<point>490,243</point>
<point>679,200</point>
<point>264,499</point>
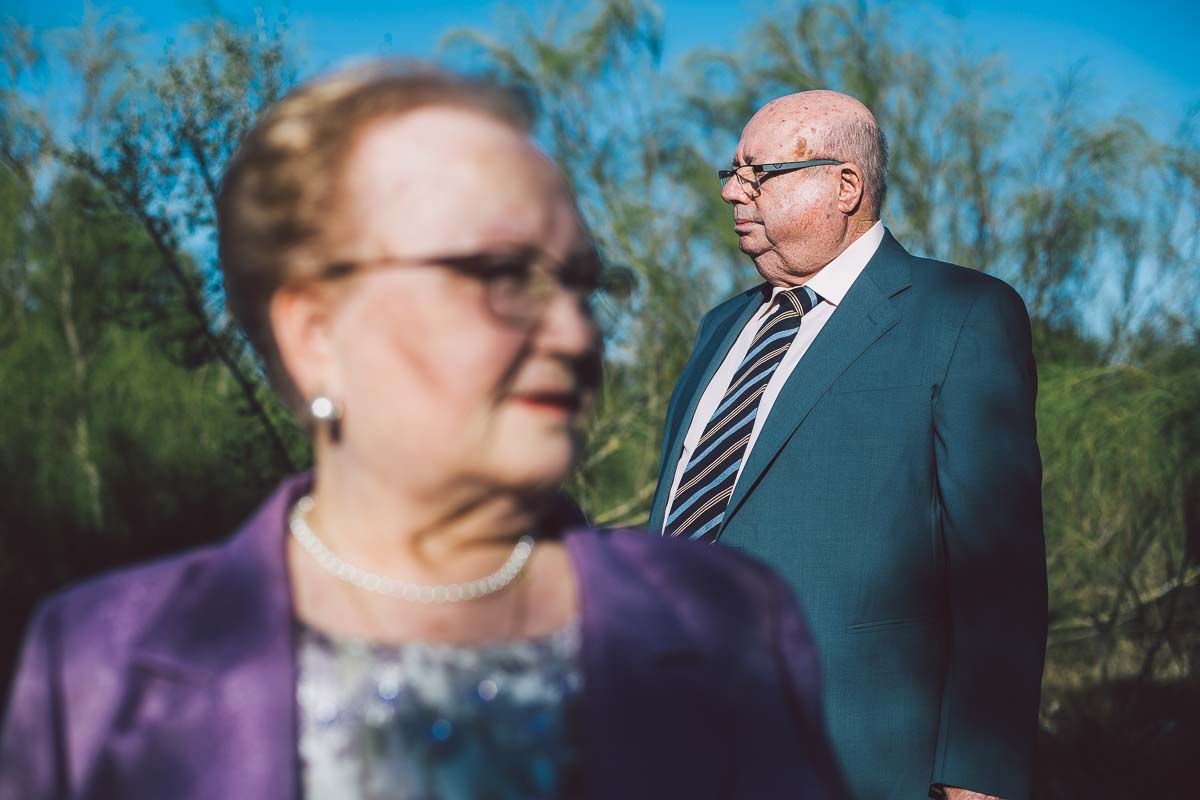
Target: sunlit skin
<point>456,423</point>
<point>802,220</point>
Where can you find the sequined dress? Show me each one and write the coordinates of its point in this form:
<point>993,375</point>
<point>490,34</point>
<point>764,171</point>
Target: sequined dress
<point>419,721</point>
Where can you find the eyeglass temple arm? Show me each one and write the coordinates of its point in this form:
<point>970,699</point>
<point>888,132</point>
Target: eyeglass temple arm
<point>786,165</point>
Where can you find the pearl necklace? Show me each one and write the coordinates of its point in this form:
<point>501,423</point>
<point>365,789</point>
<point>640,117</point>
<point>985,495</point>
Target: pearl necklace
<point>412,592</point>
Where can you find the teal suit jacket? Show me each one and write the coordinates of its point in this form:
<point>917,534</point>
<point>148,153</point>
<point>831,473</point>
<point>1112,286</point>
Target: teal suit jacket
<point>896,485</point>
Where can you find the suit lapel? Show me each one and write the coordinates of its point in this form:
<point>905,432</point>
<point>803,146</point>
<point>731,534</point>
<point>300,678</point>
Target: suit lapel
<point>704,363</point>
<point>215,674</point>
<point>866,313</point>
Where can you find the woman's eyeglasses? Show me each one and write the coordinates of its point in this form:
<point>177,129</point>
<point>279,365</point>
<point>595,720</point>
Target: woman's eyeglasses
<point>518,284</point>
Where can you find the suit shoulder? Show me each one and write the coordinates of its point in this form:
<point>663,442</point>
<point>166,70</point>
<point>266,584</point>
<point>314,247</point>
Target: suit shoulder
<point>963,285</point>
<point>118,603</point>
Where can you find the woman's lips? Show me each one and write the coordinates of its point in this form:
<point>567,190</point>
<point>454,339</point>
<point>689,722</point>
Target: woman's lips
<point>558,402</point>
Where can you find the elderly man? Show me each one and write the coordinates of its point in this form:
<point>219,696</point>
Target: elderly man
<point>864,421</point>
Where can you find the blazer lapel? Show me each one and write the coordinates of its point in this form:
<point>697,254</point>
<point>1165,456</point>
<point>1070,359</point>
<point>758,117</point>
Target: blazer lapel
<point>866,313</point>
<point>217,671</point>
<point>704,363</point>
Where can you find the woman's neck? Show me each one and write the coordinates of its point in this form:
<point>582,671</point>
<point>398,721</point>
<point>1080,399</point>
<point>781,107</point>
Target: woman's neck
<point>426,533</point>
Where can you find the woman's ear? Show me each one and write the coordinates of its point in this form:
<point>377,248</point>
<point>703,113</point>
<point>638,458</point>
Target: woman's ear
<point>302,325</point>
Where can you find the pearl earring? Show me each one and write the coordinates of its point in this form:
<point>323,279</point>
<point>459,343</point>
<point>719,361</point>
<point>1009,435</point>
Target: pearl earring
<point>327,410</point>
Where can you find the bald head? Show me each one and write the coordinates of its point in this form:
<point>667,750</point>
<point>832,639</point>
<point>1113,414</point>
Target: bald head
<point>794,222</point>
<point>817,105</point>
<point>826,124</point>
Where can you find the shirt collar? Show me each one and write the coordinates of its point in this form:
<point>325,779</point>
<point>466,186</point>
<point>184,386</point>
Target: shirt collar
<point>833,280</point>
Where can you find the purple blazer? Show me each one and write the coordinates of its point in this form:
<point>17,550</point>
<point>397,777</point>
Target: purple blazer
<point>177,679</point>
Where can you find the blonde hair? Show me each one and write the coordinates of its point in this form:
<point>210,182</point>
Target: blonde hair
<point>276,209</point>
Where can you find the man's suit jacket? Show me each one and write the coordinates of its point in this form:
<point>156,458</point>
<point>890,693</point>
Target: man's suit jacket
<point>896,485</point>
<point>177,680</point>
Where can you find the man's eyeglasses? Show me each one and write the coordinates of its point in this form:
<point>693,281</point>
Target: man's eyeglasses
<point>758,173</point>
<point>518,284</point>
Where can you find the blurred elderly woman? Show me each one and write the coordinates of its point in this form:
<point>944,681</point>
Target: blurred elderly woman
<point>418,617</point>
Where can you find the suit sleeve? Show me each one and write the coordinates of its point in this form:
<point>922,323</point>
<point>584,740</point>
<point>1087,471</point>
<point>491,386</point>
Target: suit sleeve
<point>989,493</point>
<point>31,762</point>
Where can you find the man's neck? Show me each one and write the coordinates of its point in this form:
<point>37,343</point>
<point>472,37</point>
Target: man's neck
<point>858,226</point>
<point>778,275</point>
<point>855,229</point>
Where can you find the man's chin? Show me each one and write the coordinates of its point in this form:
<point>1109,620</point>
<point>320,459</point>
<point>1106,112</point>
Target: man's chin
<point>752,246</point>
<point>768,266</point>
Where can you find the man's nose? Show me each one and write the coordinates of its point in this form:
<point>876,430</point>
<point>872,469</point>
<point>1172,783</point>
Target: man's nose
<point>734,193</point>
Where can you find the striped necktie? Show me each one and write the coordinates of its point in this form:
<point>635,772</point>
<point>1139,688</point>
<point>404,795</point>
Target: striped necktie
<point>707,483</point>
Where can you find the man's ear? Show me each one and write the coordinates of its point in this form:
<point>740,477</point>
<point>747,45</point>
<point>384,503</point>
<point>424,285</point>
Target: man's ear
<point>302,324</point>
<point>850,188</point>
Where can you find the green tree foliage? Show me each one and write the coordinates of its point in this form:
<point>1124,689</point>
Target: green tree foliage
<point>144,426</point>
<point>138,423</point>
<point>651,202</point>
<point>1090,216</point>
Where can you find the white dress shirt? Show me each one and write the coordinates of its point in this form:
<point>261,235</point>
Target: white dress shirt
<point>831,284</point>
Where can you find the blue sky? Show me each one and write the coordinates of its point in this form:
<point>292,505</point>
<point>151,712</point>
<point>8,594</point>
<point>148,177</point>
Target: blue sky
<point>1136,53</point>
<point>1138,56</point>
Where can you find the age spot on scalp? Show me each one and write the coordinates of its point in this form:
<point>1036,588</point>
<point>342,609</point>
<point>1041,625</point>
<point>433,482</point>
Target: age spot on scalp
<point>801,148</point>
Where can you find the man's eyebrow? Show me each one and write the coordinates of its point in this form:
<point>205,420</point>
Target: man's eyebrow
<point>749,160</point>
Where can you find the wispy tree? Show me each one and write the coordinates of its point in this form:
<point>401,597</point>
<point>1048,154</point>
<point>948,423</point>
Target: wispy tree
<point>610,114</point>
<point>139,422</point>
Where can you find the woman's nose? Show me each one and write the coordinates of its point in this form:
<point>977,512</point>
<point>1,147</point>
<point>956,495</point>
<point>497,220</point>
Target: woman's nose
<point>567,326</point>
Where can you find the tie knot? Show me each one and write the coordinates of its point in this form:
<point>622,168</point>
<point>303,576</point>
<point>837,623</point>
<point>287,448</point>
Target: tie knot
<point>801,299</point>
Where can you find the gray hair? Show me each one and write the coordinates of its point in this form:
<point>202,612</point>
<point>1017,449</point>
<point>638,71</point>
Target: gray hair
<point>861,140</point>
